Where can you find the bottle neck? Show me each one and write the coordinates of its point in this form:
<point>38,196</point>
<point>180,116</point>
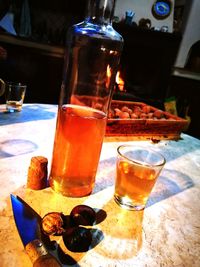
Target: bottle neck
<point>100,11</point>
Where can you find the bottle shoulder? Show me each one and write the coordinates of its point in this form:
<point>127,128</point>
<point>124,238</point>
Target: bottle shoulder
<point>97,31</point>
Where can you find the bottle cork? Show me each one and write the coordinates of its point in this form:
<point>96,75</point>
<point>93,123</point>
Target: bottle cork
<point>37,173</point>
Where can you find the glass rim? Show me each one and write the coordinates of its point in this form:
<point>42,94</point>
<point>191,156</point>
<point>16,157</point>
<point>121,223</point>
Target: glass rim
<point>17,84</point>
<point>142,163</point>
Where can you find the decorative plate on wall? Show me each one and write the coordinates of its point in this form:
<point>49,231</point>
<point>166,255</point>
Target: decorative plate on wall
<point>161,9</point>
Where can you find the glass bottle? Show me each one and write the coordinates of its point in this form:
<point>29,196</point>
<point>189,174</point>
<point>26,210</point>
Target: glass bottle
<point>91,63</point>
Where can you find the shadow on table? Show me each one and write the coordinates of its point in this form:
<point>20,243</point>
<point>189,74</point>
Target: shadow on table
<point>29,113</point>
<point>16,147</point>
<point>122,231</point>
<point>169,183</point>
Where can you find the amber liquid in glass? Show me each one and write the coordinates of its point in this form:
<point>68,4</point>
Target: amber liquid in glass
<point>78,142</point>
<point>14,105</point>
<point>134,183</point>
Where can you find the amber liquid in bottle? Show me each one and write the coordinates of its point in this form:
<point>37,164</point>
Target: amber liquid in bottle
<point>91,64</point>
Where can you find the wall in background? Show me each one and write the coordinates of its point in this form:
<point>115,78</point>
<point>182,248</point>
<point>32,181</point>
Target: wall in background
<point>191,31</point>
<point>142,9</point>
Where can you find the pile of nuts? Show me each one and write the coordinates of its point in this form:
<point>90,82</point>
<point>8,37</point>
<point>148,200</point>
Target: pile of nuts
<point>137,112</point>
<point>75,237</point>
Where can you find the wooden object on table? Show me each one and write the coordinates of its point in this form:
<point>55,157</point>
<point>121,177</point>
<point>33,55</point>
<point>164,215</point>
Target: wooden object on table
<point>167,127</point>
<point>39,255</point>
<point>37,173</point>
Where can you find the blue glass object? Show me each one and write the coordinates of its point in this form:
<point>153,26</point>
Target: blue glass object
<point>162,8</point>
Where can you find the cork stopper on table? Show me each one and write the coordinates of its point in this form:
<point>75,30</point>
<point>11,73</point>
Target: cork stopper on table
<point>37,173</point>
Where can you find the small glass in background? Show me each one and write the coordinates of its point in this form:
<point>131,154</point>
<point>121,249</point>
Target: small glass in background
<point>15,93</point>
<point>137,170</point>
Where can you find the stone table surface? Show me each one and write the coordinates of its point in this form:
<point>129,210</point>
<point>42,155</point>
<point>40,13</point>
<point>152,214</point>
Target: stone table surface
<point>166,233</point>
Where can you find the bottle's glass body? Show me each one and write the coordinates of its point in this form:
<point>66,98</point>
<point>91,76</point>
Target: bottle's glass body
<point>91,62</point>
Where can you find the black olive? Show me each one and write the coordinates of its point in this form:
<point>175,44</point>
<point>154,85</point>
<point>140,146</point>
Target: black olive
<point>77,239</point>
<point>53,223</point>
<point>82,215</point>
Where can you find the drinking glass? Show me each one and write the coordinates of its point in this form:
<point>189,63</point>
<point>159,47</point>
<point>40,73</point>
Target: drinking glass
<point>15,93</point>
<point>137,169</point>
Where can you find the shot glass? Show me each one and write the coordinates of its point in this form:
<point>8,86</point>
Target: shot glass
<point>15,93</point>
<point>137,169</point>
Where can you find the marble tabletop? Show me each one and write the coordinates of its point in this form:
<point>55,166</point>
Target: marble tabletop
<point>166,233</point>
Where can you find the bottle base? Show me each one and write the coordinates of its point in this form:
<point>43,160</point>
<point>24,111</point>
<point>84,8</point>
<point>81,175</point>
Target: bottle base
<point>72,191</point>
